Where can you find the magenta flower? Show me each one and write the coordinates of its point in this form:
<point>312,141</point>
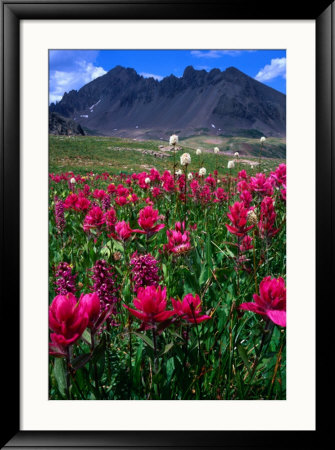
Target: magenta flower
<point>144,270</point>
<point>283,193</point>
<point>279,175</point>
<point>106,202</point>
<point>261,184</point>
<point>238,216</point>
<point>82,204</point>
<point>99,194</point>
<point>148,220</point>
<point>246,198</point>
<point>242,175</point>
<point>271,302</point>
<point>221,195</point>
<point>168,181</point>
<point>90,304</point>
<point>122,191</point>
<point>70,201</point>
<point>121,200</point>
<point>246,244</point>
<point>94,219</point>
<point>189,308</point>
<point>267,220</point>
<point>65,281</point>
<point>123,231</point>
<point>110,217</point>
<point>68,321</point>
<point>59,215</point>
<point>105,282</point>
<point>150,305</point>
<point>111,188</point>
<point>179,240</point>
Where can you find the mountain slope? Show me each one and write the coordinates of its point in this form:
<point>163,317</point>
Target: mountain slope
<point>64,126</point>
<point>123,103</point>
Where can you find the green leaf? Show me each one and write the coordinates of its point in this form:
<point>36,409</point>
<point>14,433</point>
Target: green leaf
<point>81,360</point>
<point>167,348</point>
<point>243,356</point>
<point>170,367</point>
<point>99,350</point>
<point>204,275</point>
<point>60,375</point>
<point>145,339</point>
<point>137,367</point>
<point>118,247</point>
<point>87,336</point>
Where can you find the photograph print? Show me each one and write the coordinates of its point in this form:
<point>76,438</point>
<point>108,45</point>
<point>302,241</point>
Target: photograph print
<point>167,224</point>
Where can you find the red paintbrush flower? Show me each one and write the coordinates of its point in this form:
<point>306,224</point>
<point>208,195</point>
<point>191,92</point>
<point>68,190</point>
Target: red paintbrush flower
<point>179,240</point>
<point>271,301</point>
<point>267,220</point>
<point>68,321</point>
<point>94,219</point>
<point>148,220</point>
<point>238,216</point>
<point>150,305</point>
<point>189,308</point>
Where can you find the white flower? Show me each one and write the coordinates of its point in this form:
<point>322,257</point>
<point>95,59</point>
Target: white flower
<point>73,181</point>
<point>236,154</point>
<point>185,159</point>
<point>147,180</point>
<point>231,164</point>
<point>179,172</point>
<point>190,176</point>
<point>219,181</point>
<point>202,171</point>
<point>173,139</point>
<point>251,167</point>
<point>198,152</point>
<point>263,138</point>
<point>216,149</point>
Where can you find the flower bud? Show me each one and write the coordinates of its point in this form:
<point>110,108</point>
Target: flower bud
<point>252,217</point>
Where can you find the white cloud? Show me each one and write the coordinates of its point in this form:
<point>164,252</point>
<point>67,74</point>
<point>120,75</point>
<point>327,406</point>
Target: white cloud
<point>277,68</point>
<point>64,81</point>
<point>214,53</point>
<point>151,75</point>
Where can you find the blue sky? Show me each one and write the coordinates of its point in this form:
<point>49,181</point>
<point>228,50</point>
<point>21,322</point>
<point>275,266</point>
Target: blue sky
<point>72,69</point>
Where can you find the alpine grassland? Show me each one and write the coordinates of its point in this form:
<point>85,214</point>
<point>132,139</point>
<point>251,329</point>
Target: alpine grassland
<point>167,268</point>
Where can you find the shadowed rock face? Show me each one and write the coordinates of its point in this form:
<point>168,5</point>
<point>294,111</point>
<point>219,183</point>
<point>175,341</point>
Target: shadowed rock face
<point>123,103</point>
<point>63,126</point>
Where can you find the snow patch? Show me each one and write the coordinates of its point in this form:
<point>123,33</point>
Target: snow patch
<point>213,126</point>
<point>95,104</point>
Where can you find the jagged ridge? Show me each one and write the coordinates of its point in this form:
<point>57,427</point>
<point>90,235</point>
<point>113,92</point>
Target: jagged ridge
<point>124,103</point>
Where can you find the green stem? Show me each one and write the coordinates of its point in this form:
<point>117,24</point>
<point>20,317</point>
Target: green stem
<point>68,373</point>
<point>154,338</point>
<point>95,370</point>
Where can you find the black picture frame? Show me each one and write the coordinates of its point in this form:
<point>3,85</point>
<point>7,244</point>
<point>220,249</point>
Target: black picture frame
<point>12,12</point>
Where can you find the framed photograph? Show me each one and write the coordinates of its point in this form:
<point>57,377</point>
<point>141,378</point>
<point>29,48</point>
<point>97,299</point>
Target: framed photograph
<point>166,205</point>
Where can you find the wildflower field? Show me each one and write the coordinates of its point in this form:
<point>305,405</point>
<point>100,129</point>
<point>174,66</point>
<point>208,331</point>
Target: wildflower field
<point>166,281</point>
